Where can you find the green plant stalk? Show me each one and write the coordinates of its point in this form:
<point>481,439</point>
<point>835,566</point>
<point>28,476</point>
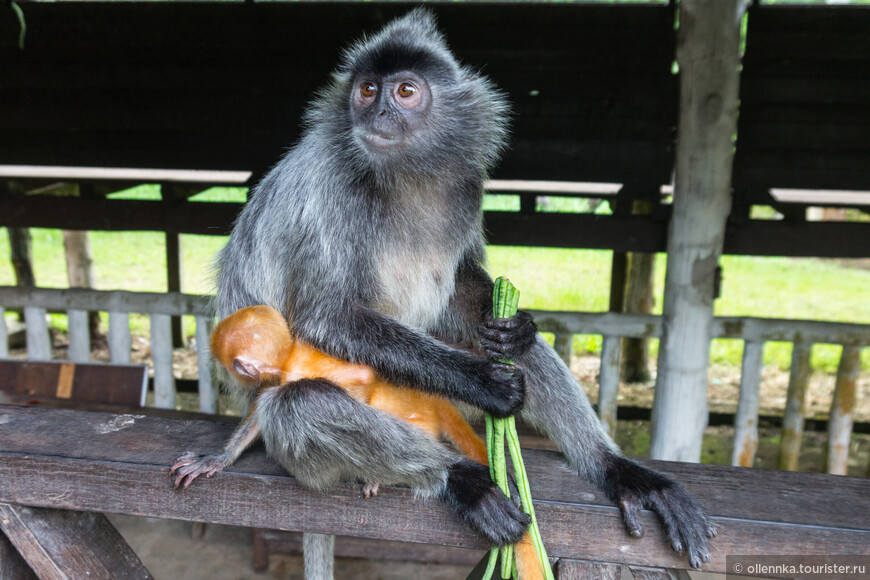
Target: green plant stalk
<point>505,301</point>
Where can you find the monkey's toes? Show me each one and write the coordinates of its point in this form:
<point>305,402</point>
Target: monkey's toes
<point>370,489</point>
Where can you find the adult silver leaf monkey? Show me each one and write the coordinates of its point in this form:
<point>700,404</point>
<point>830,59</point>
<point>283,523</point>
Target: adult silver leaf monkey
<point>367,236</point>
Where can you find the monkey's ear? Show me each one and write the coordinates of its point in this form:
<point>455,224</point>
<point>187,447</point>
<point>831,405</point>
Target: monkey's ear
<point>249,368</point>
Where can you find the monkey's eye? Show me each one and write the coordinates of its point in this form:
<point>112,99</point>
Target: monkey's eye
<point>368,89</point>
<point>407,90</point>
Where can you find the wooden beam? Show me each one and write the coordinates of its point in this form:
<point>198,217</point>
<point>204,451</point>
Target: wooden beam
<point>12,565</point>
<point>61,544</point>
<point>98,462</point>
<point>708,42</point>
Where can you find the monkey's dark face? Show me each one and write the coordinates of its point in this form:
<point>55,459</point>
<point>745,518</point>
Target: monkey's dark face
<point>389,112</point>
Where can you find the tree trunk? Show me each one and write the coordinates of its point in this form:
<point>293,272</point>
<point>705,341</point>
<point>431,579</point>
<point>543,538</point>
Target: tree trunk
<point>639,299</point>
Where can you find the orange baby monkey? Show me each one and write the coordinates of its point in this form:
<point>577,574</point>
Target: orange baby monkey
<point>254,344</point>
<point>256,348</point>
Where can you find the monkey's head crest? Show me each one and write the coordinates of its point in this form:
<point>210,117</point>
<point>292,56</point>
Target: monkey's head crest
<point>404,105</point>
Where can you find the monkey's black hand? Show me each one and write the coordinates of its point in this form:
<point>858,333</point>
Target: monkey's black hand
<point>634,487</point>
<point>503,389</point>
<point>508,338</point>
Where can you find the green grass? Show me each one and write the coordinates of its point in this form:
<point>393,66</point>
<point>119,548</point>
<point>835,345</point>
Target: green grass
<point>555,279</point>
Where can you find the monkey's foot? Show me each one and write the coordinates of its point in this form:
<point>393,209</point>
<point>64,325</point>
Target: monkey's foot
<point>634,487</point>
<point>370,489</point>
<point>190,466</point>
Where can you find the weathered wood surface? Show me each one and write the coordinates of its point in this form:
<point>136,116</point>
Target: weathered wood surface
<point>102,462</point>
<point>581,570</point>
<point>79,335</point>
<point>273,541</point>
<point>205,386</point>
<point>608,382</point>
<point>60,544</point>
<point>122,301</point>
<point>737,327</point>
<point>842,406</point>
<point>795,406</point>
<point>12,565</point>
<point>644,573</point>
<point>708,52</point>
<point>83,382</point>
<point>746,418</point>
<point>161,352</point>
<point>38,338</point>
<point>119,337</point>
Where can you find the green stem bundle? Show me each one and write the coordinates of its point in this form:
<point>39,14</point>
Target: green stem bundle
<point>505,298</point>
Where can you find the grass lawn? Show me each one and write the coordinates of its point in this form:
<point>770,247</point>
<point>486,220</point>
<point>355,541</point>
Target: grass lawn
<point>554,279</point>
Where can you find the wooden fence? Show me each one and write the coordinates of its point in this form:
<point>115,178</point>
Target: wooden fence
<point>611,326</point>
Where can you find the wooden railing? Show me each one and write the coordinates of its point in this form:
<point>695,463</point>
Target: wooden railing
<point>613,327</point>
<point>119,304</point>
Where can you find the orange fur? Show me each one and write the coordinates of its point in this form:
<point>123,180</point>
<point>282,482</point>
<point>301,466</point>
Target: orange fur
<point>258,339</point>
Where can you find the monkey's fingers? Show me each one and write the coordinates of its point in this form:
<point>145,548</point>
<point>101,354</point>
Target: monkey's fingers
<point>183,460</point>
<point>508,338</point>
<point>630,509</point>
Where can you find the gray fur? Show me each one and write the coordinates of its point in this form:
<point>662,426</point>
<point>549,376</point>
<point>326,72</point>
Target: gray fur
<point>376,258</point>
<point>321,435</point>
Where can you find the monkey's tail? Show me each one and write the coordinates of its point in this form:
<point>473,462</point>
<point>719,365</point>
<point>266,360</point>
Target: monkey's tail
<point>528,562</point>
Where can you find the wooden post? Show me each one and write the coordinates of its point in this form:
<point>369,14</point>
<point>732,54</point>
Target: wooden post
<point>119,337</point>
<point>79,335</point>
<point>161,353</point>
<point>563,344</point>
<point>842,407</point>
<point>708,49</point>
<point>38,338</point>
<point>22,256</point>
<point>746,419</point>
<point>4,335</point>
<point>80,268</point>
<point>207,396</point>
<point>795,406</point>
<point>171,195</point>
<point>608,383</point>
<point>639,298</point>
<point>618,267</point>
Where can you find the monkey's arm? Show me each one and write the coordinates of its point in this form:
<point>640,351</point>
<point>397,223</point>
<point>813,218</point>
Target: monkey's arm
<point>556,405</point>
<point>404,356</point>
<point>190,466</point>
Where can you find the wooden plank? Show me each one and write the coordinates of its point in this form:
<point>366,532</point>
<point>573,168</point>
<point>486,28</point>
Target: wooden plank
<point>795,406</point>
<point>96,461</point>
<point>736,327</point>
<point>86,383</point>
<point>21,255</point>
<point>708,52</point>
<point>60,544</point>
<point>4,334</point>
<point>746,419</point>
<point>205,386</point>
<point>644,573</point>
<point>273,541</point>
<point>119,337</point>
<point>161,353</point>
<point>112,300</point>
<point>608,382</point>
<point>584,570</point>
<point>12,565</point>
<point>38,339</point>
<point>79,335</point>
<point>842,407</point>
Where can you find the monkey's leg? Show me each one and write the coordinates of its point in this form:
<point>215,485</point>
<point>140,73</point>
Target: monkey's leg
<point>190,466</point>
<point>459,432</point>
<point>556,405</point>
<point>320,434</point>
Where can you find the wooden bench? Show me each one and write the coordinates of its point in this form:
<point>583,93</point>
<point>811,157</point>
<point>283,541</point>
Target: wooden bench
<point>99,462</point>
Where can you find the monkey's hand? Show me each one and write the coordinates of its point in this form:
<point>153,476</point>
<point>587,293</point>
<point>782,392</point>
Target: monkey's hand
<point>190,466</point>
<point>502,389</point>
<point>508,338</point>
<point>634,487</point>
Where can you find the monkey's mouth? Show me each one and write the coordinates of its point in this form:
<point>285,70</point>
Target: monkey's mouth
<point>381,141</point>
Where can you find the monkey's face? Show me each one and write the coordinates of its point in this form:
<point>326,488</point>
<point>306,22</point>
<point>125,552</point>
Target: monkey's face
<point>389,112</point>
